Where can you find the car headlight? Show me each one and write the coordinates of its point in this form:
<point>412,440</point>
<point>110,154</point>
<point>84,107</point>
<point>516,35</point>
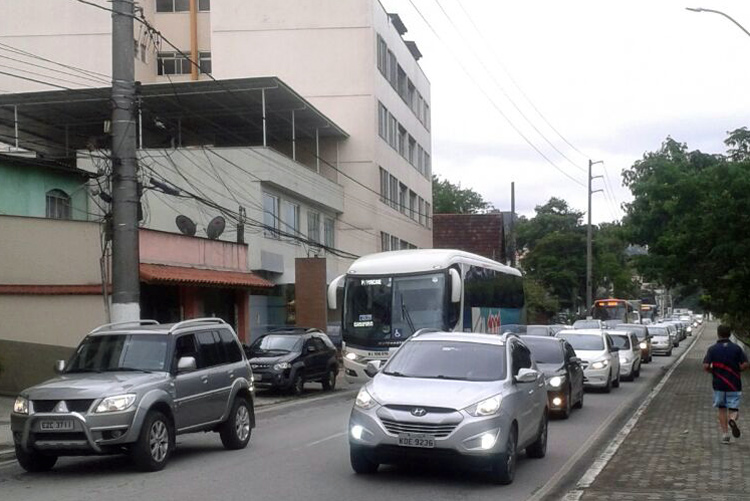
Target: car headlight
<point>352,356</point>
<point>282,366</point>
<point>623,360</point>
<point>643,345</point>
<point>21,405</point>
<point>690,329</point>
<point>117,403</point>
<point>486,407</point>
<point>364,400</point>
<point>601,364</point>
<point>556,381</point>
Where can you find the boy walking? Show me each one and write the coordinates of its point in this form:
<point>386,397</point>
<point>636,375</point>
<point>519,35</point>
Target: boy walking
<point>725,360</point>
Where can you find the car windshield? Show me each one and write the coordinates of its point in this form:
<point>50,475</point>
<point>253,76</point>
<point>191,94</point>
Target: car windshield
<point>537,330</point>
<point>620,341</point>
<point>657,331</point>
<point>380,311</point>
<point>545,351</point>
<point>585,342</point>
<point>120,352</point>
<point>277,343</point>
<point>639,330</point>
<point>449,360</point>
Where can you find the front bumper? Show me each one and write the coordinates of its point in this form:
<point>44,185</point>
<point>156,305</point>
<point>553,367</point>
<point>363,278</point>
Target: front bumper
<point>557,399</point>
<point>627,368</point>
<point>596,378</point>
<point>85,433</point>
<point>280,379</point>
<point>661,349</point>
<point>462,444</point>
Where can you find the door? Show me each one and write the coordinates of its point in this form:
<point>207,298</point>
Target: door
<point>525,404</point>
<point>212,355</point>
<point>575,370</point>
<point>190,387</point>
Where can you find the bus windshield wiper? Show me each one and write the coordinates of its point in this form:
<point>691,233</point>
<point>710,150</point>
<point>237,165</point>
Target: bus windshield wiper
<point>405,314</point>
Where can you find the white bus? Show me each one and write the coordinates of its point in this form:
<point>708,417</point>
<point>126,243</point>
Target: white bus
<point>390,295</point>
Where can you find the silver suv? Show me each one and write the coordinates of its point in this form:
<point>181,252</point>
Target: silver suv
<point>131,387</point>
<point>474,398</point>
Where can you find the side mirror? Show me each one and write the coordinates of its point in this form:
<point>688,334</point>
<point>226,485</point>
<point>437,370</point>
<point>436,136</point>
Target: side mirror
<point>186,364</point>
<point>60,366</point>
<point>575,360</point>
<point>332,291</point>
<point>615,349</point>
<point>373,367</point>
<point>527,376</point>
<point>455,285</point>
<point>311,349</point>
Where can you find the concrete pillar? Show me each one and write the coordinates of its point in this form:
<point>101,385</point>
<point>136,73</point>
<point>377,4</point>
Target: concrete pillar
<point>310,292</point>
<point>243,316</point>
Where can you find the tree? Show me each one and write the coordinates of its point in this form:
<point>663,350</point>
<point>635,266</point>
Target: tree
<point>693,212</point>
<point>449,198</point>
<point>541,305</point>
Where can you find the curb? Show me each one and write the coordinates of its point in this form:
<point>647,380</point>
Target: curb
<point>7,454</point>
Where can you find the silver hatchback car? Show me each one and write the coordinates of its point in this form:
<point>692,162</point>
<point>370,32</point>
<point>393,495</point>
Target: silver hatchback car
<point>131,388</point>
<point>477,399</point>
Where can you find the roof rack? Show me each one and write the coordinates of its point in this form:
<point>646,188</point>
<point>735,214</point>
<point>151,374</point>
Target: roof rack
<point>121,324</point>
<point>206,320</point>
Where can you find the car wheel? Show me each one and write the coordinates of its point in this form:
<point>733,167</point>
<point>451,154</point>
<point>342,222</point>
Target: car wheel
<point>616,382</point>
<point>504,467</point>
<point>329,382</point>
<point>538,449</point>
<point>33,462</point>
<point>298,384</point>
<point>155,443</point>
<point>236,430</point>
<point>669,353</point>
<point>608,387</point>
<point>361,464</point>
<point>579,404</point>
<point>637,372</point>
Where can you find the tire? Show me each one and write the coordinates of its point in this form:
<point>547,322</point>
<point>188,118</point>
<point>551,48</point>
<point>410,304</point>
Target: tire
<point>236,430</point>
<point>298,384</point>
<point>616,382</point>
<point>155,443</point>
<point>33,462</point>
<point>608,387</point>
<point>504,468</point>
<point>361,464</point>
<point>538,449</point>
<point>579,404</point>
<point>637,372</point>
<point>329,382</point>
<point>669,353</point>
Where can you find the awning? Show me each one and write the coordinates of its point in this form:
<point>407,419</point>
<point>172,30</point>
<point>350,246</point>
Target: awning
<point>196,276</point>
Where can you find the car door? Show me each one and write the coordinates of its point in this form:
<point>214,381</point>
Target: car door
<point>574,369</point>
<point>526,395</point>
<point>323,355</point>
<point>614,357</point>
<point>213,358</point>
<point>233,366</point>
<point>190,387</point>
<point>636,347</point>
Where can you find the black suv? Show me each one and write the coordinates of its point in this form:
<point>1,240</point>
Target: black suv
<point>287,358</point>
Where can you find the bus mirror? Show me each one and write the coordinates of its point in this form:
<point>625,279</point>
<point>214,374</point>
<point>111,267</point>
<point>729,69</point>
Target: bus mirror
<point>332,289</point>
<point>455,285</point>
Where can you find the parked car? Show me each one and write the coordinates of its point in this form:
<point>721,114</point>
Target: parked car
<point>289,357</point>
<point>539,330</point>
<point>629,352</point>
<point>601,363</point>
<point>588,323</point>
<point>132,387</point>
<point>477,399</point>
<point>644,340</point>
<point>661,339</point>
<point>559,327</point>
<point>562,371</point>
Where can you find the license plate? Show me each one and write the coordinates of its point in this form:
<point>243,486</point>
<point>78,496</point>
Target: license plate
<point>416,440</point>
<point>56,425</point>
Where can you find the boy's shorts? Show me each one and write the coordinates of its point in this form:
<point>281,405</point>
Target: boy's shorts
<point>727,399</point>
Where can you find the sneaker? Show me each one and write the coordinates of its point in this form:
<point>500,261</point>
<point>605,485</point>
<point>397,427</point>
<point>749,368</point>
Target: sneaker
<point>725,440</point>
<point>735,429</point>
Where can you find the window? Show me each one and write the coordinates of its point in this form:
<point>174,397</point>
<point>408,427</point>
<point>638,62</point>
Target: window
<point>394,243</point>
<point>291,217</point>
<point>392,130</point>
<point>385,241</point>
<point>136,46</point>
<point>382,56</point>
<point>402,197</point>
<point>392,70</point>
<point>394,191</point>
<point>401,88</point>
<point>143,53</point>
<point>58,205</point>
<point>421,211</point>
<point>412,155</point>
<point>210,349</point>
<point>402,141</point>
<point>412,205</point>
<point>328,228</point>
<point>313,226</point>
<point>204,5</point>
<point>204,62</point>
<point>410,94</point>
<point>231,348</point>
<point>382,121</point>
<point>185,347</point>
<point>521,358</point>
<point>420,106</point>
<point>271,215</point>
<point>181,5</point>
<point>420,159</point>
<point>384,185</point>
<point>426,116</point>
<point>404,245</point>
<point>427,166</point>
<point>172,63</point>
<point>427,215</point>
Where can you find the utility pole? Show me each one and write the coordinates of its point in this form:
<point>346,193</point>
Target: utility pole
<point>125,260</point>
<point>513,224</point>
<point>589,257</point>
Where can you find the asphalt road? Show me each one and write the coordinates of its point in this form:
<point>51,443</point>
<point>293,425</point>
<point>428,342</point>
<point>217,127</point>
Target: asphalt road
<point>300,451</point>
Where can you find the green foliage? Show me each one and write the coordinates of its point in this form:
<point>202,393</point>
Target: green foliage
<point>693,212</point>
<point>541,306</point>
<point>449,198</point>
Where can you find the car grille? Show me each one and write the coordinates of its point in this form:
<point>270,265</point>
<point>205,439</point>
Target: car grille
<point>436,430</point>
<point>79,405</point>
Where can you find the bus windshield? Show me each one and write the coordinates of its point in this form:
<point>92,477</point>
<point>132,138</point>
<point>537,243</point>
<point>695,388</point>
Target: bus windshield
<point>610,311</point>
<point>381,311</point>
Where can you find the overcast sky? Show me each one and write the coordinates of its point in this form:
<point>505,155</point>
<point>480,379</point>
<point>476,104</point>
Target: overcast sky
<point>613,77</point>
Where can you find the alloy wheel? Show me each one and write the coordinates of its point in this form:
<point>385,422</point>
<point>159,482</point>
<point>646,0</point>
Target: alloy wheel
<point>159,441</point>
<point>242,423</point>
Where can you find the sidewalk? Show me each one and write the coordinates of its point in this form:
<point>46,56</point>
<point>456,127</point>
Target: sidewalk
<point>674,450</point>
<point>6,439</point>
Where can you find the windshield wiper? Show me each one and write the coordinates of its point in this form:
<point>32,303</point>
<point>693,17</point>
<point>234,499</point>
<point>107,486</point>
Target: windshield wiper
<point>73,371</point>
<point>405,314</point>
<point>127,369</point>
<point>395,373</point>
<point>442,376</point>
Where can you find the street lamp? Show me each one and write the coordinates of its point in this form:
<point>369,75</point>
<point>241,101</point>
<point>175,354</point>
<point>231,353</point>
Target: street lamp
<point>699,9</point>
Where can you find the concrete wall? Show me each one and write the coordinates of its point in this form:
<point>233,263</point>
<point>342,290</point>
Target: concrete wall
<point>180,250</point>
<point>27,364</point>
<point>23,191</point>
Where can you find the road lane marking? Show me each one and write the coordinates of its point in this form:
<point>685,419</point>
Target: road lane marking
<point>601,462</point>
<point>335,435</point>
